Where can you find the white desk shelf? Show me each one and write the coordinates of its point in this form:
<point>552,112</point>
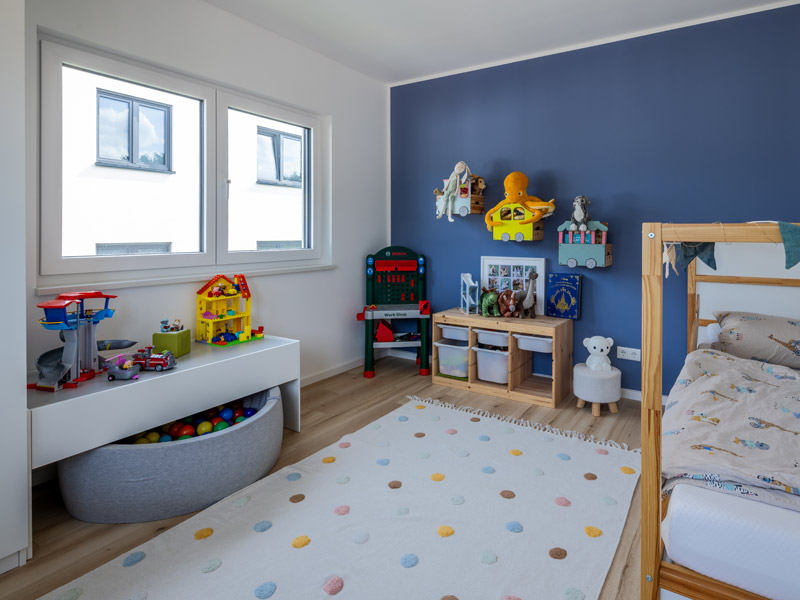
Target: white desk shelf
<point>99,412</point>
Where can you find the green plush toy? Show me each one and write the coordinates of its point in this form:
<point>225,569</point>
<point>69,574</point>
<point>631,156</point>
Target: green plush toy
<point>488,302</point>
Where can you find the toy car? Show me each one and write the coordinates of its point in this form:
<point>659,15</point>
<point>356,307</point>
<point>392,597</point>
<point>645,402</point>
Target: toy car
<point>151,361</point>
<point>126,370</point>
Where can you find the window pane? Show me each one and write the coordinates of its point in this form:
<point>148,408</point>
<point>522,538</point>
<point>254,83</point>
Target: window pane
<point>261,216</point>
<point>267,167</point>
<point>131,208</point>
<point>152,139</point>
<point>113,120</point>
<point>292,160</point>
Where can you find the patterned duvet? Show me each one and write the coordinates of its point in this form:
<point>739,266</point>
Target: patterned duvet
<point>734,425</point>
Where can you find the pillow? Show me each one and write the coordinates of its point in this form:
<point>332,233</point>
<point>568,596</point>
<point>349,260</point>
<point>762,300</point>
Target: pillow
<point>760,337</point>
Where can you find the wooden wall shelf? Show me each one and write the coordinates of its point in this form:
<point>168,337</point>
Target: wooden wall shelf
<point>522,384</point>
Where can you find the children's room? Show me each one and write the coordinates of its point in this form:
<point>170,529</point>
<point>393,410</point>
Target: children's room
<point>411,300</point>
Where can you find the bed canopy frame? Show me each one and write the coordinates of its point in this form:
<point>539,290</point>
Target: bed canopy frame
<point>655,572</point>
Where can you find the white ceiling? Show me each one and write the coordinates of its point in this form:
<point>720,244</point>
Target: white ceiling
<point>405,40</point>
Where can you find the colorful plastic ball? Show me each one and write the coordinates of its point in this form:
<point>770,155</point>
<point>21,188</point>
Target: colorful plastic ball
<point>142,440</point>
<point>216,420</point>
<point>165,427</point>
<point>186,430</point>
<point>165,438</point>
<point>249,412</point>
<point>226,414</point>
<point>139,435</point>
<point>221,425</point>
<point>204,428</point>
<point>220,408</point>
<point>152,436</point>
<point>240,419</point>
<point>238,412</point>
<point>188,420</point>
<point>175,429</point>
<point>237,404</point>
<point>210,414</point>
<point>185,437</point>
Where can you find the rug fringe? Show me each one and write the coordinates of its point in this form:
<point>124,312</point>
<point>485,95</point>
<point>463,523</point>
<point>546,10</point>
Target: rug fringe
<point>525,423</point>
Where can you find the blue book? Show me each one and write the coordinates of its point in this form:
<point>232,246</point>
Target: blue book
<point>563,296</point>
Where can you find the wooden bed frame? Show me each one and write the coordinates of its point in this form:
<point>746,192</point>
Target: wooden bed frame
<point>655,572</point>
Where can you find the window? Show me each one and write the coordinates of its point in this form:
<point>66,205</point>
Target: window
<point>182,193</point>
<point>280,157</point>
<point>133,133</point>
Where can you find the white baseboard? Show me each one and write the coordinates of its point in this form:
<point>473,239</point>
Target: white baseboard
<point>637,395</point>
<point>12,561</point>
<point>352,364</point>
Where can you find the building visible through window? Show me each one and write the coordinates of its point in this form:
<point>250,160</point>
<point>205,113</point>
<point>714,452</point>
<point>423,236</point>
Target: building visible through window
<point>280,158</point>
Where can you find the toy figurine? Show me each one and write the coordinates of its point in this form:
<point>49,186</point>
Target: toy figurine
<point>469,294</point>
<point>580,214</point>
<point>452,190</point>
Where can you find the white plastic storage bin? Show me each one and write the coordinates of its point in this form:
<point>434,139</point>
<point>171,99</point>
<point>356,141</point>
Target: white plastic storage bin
<point>453,357</point>
<point>492,365</point>
<point>492,338</point>
<point>534,343</point>
<point>454,332</point>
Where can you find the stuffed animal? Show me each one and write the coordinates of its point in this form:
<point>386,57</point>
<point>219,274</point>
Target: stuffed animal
<point>507,304</point>
<point>580,214</point>
<point>477,185</point>
<point>598,347</point>
<point>526,299</point>
<point>488,303</point>
<point>451,190</point>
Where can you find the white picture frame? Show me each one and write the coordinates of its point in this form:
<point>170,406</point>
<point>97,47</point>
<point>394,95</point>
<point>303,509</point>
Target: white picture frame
<point>508,272</point>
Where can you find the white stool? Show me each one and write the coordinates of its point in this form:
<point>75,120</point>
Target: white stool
<point>597,387</point>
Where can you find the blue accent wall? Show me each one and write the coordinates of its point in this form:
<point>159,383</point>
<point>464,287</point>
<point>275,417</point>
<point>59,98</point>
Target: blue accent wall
<point>699,124</point>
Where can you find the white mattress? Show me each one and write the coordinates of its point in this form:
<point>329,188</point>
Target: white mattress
<point>749,544</point>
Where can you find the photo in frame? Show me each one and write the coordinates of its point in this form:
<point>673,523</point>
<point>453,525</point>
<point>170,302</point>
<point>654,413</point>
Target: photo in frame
<point>511,273</point>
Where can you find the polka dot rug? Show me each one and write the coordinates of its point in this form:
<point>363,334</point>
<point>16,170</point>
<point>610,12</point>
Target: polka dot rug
<point>429,501</point>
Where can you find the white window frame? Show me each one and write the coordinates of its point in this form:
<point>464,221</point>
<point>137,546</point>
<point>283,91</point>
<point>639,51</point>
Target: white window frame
<point>58,273</point>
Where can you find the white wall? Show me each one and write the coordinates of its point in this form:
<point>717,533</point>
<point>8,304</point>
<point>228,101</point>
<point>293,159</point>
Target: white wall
<point>13,441</point>
<point>195,38</point>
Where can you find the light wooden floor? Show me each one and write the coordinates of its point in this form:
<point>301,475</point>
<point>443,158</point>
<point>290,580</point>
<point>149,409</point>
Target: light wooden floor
<point>64,548</point>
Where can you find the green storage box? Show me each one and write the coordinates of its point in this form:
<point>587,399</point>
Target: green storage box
<point>177,342</point>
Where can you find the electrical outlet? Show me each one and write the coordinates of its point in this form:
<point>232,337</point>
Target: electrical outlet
<point>629,353</point>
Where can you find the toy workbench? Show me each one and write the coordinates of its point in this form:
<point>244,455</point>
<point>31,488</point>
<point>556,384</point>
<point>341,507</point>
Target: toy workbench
<point>395,290</point>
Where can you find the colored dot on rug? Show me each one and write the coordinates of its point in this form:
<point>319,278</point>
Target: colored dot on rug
<point>293,476</point>
<point>573,594</point>
<point>602,451</point>
<point>211,565</point>
<point>508,494</point>
<point>593,531</point>
<point>265,590</point>
<point>609,500</point>
<point>538,472</point>
<point>409,560</point>
<point>419,406</point>
<point>483,438</point>
<point>203,533</point>
<point>382,462</point>
<point>449,597</point>
<point>329,459</point>
<point>627,470</point>
<point>71,594</point>
<point>437,477</point>
<point>333,586</point>
<point>301,541</point>
<point>475,419</point>
<point>563,456</point>
<point>451,431</point>
<point>395,484</point>
<point>342,510</point>
<point>262,526</point>
<point>419,434</point>
<point>488,557</point>
<point>445,531</point>
<point>376,425</point>
<point>401,511</point>
<point>297,498</point>
<point>488,470</point>
<point>344,445</point>
<point>514,526</point>
<point>515,452</point>
<point>402,418</point>
<point>342,480</point>
<point>561,501</point>
<point>360,537</point>
<point>424,455</point>
<point>436,418</point>
<point>509,430</point>
<point>133,559</point>
<point>558,553</point>
<point>512,598</point>
<point>590,476</point>
<point>457,500</point>
<point>460,452</point>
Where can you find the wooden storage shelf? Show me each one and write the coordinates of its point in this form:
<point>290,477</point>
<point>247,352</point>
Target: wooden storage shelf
<point>522,384</point>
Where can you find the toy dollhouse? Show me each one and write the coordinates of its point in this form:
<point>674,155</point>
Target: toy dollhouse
<point>223,312</point>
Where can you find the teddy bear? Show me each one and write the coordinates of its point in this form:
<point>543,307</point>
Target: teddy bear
<point>598,347</point>
<point>505,301</point>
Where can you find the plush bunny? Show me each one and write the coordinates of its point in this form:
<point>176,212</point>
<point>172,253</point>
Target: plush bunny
<point>598,347</point>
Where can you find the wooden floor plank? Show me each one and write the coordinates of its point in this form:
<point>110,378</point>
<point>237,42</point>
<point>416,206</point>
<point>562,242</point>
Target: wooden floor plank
<point>65,548</point>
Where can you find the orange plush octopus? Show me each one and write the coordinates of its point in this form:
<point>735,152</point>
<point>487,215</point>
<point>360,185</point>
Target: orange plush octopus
<point>516,185</point>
